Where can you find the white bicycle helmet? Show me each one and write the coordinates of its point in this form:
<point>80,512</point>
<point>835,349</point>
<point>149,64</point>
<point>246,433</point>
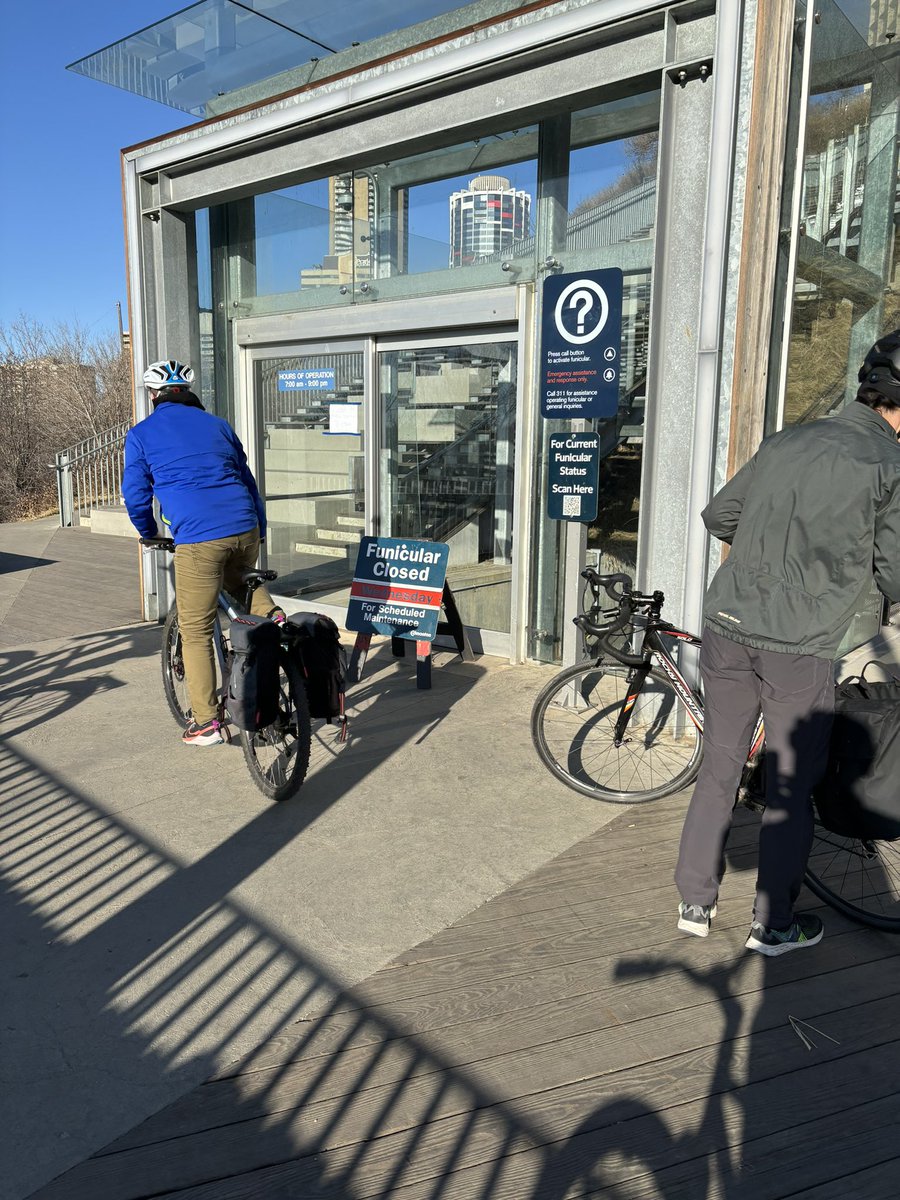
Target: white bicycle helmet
<point>170,373</point>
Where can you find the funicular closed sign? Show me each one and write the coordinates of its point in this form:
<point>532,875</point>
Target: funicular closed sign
<point>397,588</point>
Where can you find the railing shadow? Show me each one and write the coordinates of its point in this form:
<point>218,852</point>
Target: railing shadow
<point>143,973</point>
<point>155,980</point>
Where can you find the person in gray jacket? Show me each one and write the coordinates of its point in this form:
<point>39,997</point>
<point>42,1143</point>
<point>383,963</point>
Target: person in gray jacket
<point>810,519</point>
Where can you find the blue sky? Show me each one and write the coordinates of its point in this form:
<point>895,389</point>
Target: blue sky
<point>61,241</point>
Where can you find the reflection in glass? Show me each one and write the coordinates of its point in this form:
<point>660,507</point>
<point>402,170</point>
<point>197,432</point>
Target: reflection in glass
<point>844,291</point>
<point>845,288</point>
<point>448,447</point>
<point>310,409</point>
<point>612,172</point>
<point>612,203</point>
<point>457,209</point>
<point>207,372</point>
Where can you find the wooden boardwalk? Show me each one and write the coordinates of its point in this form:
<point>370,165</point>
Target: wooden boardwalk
<point>64,582</point>
<point>562,1040</point>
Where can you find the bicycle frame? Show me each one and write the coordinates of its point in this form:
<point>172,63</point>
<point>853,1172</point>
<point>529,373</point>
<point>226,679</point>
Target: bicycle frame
<point>654,648</point>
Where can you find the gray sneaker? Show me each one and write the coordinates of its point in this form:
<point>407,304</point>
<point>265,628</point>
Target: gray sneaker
<point>806,930</point>
<point>696,918</point>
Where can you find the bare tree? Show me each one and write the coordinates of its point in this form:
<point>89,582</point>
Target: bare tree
<point>58,385</point>
<point>640,152</point>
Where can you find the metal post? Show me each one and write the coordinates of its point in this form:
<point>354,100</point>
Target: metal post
<point>64,488</point>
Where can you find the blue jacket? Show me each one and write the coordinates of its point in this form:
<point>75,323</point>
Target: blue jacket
<point>194,463</point>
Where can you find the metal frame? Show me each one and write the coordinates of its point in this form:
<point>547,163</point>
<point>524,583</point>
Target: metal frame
<point>248,429</point>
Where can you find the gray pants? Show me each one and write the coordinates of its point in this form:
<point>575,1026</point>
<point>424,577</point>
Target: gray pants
<point>796,695</point>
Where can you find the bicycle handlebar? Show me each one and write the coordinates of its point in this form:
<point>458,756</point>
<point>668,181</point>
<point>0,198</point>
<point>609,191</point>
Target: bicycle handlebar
<point>158,543</point>
<point>627,603</point>
<point>608,583</point>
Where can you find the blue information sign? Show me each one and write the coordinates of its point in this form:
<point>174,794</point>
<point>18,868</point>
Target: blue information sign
<point>321,380</point>
<point>397,588</point>
<point>581,332</point>
<point>573,476</point>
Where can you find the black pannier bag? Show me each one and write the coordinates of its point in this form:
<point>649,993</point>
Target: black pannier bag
<point>859,797</point>
<point>323,665</point>
<point>252,695</point>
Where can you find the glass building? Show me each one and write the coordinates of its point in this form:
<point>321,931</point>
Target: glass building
<point>352,240</point>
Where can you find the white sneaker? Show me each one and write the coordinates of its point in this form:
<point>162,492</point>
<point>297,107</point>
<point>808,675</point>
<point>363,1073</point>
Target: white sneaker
<point>696,918</point>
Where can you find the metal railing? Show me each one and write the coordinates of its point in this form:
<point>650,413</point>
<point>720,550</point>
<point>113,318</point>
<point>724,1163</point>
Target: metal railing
<point>89,473</point>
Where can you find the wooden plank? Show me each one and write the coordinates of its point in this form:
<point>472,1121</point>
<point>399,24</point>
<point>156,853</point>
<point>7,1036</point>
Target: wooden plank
<point>537,1129</point>
<point>416,1017</point>
<point>873,1183</point>
<point>509,1046</point>
<point>544,993</point>
<point>780,1164</point>
<point>595,1022</point>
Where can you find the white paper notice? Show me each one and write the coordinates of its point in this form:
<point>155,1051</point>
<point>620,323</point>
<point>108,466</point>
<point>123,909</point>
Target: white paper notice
<point>343,418</point>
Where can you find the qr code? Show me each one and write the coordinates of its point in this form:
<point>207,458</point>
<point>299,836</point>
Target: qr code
<point>571,506</point>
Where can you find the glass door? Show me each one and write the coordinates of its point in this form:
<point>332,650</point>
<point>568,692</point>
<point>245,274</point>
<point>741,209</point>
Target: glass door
<point>309,408</point>
<point>447,462</point>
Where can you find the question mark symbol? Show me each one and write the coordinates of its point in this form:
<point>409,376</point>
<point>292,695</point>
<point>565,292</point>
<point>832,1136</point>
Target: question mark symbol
<point>583,301</point>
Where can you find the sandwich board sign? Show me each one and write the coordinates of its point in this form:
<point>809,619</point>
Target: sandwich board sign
<point>397,588</point>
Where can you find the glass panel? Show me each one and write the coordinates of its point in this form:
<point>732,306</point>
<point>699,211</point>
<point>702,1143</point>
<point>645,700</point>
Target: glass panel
<point>301,247</point>
<point>845,292</point>
<point>612,175</point>
<point>845,288</point>
<point>208,389</point>
<point>217,46</point>
<point>447,465</point>
<point>310,413</point>
<point>457,217</point>
<point>600,211</point>
<point>612,222</point>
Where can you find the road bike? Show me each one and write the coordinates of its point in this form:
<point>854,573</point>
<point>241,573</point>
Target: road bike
<point>277,756</point>
<point>626,726</point>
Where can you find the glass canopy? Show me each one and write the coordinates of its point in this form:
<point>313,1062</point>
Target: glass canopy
<point>217,46</point>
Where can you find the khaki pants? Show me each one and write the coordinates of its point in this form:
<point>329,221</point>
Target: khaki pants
<point>202,569</point>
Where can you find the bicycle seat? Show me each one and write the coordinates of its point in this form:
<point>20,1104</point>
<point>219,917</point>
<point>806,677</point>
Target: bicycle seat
<point>257,577</point>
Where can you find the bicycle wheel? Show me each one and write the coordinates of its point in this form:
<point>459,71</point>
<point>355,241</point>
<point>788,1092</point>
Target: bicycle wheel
<point>859,879</point>
<point>174,682</point>
<point>573,722</point>
<point>278,756</point>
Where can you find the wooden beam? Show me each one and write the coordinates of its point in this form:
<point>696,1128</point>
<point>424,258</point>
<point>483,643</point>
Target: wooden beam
<point>762,219</point>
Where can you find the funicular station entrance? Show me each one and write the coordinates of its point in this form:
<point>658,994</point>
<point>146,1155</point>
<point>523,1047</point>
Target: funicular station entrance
<point>351,246</point>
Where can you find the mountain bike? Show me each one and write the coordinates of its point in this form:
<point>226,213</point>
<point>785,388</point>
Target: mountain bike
<point>277,756</point>
<point>626,726</point>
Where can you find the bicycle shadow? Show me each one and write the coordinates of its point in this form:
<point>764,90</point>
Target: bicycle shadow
<point>776,1031</point>
<point>782,1044</point>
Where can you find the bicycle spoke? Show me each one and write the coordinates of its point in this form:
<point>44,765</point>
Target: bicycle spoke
<point>577,734</point>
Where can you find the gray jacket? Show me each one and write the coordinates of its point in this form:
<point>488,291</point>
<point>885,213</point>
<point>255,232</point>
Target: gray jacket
<point>810,519</point>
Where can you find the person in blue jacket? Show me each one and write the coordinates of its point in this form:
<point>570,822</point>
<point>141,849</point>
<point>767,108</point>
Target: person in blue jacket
<point>195,466</point>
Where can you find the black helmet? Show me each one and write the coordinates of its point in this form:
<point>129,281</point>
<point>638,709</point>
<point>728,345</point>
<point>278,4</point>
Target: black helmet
<point>881,370</point>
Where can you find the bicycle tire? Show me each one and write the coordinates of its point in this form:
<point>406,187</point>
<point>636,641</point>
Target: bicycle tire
<point>174,682</point>
<point>277,757</point>
<point>859,879</point>
<point>572,723</point>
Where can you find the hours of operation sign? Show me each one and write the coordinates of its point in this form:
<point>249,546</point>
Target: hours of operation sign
<point>581,335</point>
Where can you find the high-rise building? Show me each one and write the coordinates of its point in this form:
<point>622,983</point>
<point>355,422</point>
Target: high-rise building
<point>351,215</point>
<point>487,217</point>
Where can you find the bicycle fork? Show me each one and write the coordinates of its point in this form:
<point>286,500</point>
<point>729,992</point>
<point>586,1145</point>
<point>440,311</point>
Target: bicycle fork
<point>635,685</point>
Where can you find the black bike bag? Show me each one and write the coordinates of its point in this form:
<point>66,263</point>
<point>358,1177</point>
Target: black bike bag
<point>860,794</point>
<point>252,693</point>
<point>322,660</point>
